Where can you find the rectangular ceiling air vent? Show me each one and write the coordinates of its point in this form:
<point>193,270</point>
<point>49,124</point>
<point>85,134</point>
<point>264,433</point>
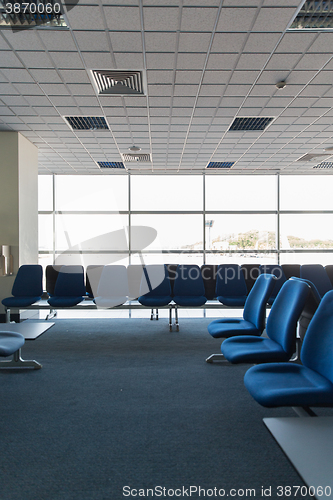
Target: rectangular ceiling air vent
<point>220,164</point>
<point>110,164</point>
<point>116,82</point>
<point>324,164</point>
<point>314,15</point>
<point>142,158</point>
<point>87,122</point>
<point>250,123</point>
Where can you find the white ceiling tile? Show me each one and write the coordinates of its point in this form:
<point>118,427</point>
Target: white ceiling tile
<point>9,60</point>
<point>261,42</point>
<point>228,42</point>
<point>98,60</point>
<point>156,61</point>
<point>194,42</point>
<point>126,60</point>
<point>17,75</point>
<point>215,77</point>
<point>155,77</point>
<point>49,89</point>
<point>57,40</point>
<point>198,19</point>
<point>66,60</point>
<point>236,19</point>
<point>225,61</point>
<point>121,18</point>
<point>312,61</point>
<point>251,61</point>
<point>74,76</point>
<point>92,40</point>
<point>282,62</point>
<point>185,90</point>
<point>35,59</point>
<point>274,18</point>
<point>187,61</point>
<point>45,75</point>
<point>85,17</point>
<point>161,18</point>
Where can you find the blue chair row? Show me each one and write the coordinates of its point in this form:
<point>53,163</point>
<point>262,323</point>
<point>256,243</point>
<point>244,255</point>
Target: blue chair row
<point>305,385</point>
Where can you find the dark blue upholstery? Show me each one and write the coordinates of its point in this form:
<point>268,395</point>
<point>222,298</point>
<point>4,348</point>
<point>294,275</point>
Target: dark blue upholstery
<point>254,314</point>
<point>188,288</point>
<point>318,276</point>
<point>231,288</point>
<point>69,288</point>
<point>280,328</point>
<point>155,288</point>
<point>10,342</point>
<point>27,287</point>
<point>309,384</point>
<point>280,278</point>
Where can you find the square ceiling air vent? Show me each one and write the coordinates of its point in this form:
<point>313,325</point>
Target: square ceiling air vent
<point>116,82</point>
<point>314,15</point>
<point>142,158</point>
<point>250,123</point>
<point>87,122</point>
<point>220,164</point>
<point>110,164</point>
<point>324,164</point>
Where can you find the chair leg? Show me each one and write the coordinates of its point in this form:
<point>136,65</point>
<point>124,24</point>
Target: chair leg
<point>304,411</point>
<point>156,315</point>
<point>216,357</point>
<point>152,315</point>
<point>52,314</point>
<point>170,318</point>
<point>176,319</point>
<point>7,315</point>
<point>18,362</point>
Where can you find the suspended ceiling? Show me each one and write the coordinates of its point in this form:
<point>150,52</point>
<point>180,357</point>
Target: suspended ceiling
<point>204,63</point>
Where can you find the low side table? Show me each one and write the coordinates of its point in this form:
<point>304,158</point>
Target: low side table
<point>30,330</point>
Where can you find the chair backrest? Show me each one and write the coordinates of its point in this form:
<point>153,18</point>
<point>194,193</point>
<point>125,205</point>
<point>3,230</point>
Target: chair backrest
<point>329,271</point>
<point>280,278</point>
<point>51,275</point>
<point>172,270</point>
<point>291,270</point>
<point>208,273</point>
<point>251,273</point>
<point>70,282</point>
<point>255,305</point>
<point>113,281</point>
<point>285,312</point>
<point>93,276</point>
<point>310,307</point>
<point>230,281</point>
<point>28,281</point>
<point>155,281</point>
<point>317,348</point>
<point>318,276</point>
<point>189,281</point>
<point>134,275</point>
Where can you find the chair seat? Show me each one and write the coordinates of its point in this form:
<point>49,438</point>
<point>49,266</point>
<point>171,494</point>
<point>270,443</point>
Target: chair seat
<point>156,301</point>
<point>189,300</point>
<point>109,302</point>
<point>57,301</point>
<point>10,342</point>
<point>249,349</point>
<point>288,384</point>
<point>229,327</point>
<point>19,301</point>
<point>232,301</point>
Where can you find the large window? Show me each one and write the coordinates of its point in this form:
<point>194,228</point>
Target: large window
<point>210,219</point>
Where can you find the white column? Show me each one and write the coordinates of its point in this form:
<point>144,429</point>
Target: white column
<point>18,203</point>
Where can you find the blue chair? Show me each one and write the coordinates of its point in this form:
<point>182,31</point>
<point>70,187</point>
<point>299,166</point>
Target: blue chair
<point>280,343</point>
<point>318,276</point>
<point>231,289</point>
<point>254,313</point>
<point>155,289</point>
<point>188,289</point>
<point>69,289</point>
<point>305,385</point>
<point>10,344</point>
<point>112,289</point>
<point>27,288</point>
<point>309,309</point>
<point>280,278</point>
